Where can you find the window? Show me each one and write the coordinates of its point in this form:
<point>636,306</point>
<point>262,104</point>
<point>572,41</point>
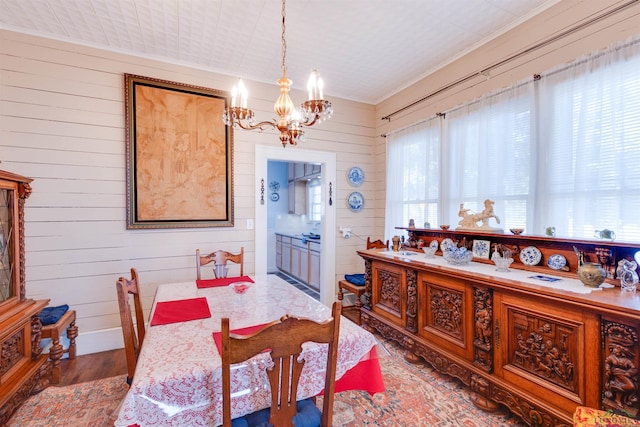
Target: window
<point>562,151</point>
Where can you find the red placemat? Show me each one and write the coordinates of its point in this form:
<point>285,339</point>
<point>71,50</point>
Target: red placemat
<point>180,311</point>
<point>217,336</point>
<point>223,281</point>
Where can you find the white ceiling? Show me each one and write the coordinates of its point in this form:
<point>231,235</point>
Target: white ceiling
<point>365,50</point>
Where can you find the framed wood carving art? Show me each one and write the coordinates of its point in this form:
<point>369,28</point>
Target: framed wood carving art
<point>179,155</point>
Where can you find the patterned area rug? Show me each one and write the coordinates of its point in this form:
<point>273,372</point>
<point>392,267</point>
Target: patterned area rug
<point>416,396</point>
<point>89,404</point>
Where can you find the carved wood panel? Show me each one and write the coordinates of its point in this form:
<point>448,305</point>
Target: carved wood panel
<point>544,347</point>
<point>483,333</point>
<point>388,284</point>
<point>445,312</point>
<point>412,301</point>
<point>620,367</point>
<point>13,351</point>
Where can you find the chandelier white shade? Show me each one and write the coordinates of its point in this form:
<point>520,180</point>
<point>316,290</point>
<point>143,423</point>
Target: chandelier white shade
<point>291,120</point>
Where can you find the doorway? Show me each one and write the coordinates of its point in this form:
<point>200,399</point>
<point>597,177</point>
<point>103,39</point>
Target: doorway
<point>327,226</point>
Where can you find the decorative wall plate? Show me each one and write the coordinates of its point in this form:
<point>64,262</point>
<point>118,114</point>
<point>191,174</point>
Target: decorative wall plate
<point>481,248</point>
<point>434,244</point>
<point>530,255</point>
<point>355,201</point>
<point>446,243</point>
<point>556,262</point>
<point>355,176</point>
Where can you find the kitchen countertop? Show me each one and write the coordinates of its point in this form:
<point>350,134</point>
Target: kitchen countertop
<point>300,236</point>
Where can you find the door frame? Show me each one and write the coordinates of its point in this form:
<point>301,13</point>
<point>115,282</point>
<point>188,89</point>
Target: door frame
<point>263,154</point>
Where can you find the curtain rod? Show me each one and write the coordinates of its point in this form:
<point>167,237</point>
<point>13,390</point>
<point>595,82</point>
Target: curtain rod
<point>484,71</point>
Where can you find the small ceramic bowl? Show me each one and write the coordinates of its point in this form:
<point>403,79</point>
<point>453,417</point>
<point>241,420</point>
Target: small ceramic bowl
<point>444,227</point>
<point>516,231</point>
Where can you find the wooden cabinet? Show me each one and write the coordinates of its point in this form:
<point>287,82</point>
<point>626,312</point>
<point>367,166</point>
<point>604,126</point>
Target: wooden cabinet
<point>299,259</point>
<point>544,349</point>
<point>279,251</point>
<point>311,169</point>
<point>314,265</point>
<point>388,296</point>
<point>538,350</point>
<point>286,254</point>
<point>23,369</point>
<point>297,197</point>
<point>298,174</point>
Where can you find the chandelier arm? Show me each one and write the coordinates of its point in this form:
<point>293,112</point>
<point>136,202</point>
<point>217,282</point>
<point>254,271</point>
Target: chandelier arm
<point>260,125</point>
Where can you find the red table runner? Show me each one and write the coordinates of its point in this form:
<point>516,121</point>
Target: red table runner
<point>223,281</point>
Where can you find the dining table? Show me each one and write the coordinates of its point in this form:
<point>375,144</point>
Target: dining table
<point>178,376</point>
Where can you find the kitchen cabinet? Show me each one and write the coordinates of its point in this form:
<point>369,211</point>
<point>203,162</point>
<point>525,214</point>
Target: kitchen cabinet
<point>298,174</point>
<point>24,369</point>
<point>298,171</point>
<point>311,170</point>
<point>286,254</point>
<point>299,259</point>
<point>297,197</point>
<point>279,251</point>
<point>538,350</point>
<point>314,265</point>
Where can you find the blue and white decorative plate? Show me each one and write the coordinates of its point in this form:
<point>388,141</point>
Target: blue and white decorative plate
<point>446,243</point>
<point>434,244</point>
<point>530,255</point>
<point>355,176</point>
<point>556,262</point>
<point>481,248</point>
<point>355,201</point>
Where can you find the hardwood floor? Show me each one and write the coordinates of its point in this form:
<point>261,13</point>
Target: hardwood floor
<point>90,367</point>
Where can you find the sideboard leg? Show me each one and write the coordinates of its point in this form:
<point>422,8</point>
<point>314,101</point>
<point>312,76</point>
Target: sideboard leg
<point>412,358</point>
<point>483,403</point>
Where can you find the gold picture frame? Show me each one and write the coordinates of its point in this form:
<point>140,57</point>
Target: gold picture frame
<point>179,155</point>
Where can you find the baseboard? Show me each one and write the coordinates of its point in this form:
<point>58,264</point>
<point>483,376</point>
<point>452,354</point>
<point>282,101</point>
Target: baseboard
<point>91,342</point>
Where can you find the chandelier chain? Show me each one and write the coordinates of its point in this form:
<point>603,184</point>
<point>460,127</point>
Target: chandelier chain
<point>284,41</point>
<point>290,121</point>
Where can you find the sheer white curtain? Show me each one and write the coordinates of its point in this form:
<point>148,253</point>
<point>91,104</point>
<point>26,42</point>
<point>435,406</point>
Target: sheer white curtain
<point>562,151</point>
<point>589,124</point>
<point>413,176</point>
<point>491,156</point>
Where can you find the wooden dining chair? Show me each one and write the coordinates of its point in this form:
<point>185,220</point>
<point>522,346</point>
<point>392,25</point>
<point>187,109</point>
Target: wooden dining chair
<point>283,339</point>
<point>354,283</point>
<point>220,259</point>
<point>126,290</point>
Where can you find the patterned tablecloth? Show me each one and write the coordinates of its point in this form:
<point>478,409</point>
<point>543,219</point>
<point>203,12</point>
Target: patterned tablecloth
<point>178,379</point>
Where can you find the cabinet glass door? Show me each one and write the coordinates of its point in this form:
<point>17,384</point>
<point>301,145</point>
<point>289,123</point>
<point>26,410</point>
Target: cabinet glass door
<point>7,290</point>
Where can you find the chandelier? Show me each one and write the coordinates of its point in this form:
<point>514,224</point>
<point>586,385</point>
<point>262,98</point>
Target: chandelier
<point>292,120</point>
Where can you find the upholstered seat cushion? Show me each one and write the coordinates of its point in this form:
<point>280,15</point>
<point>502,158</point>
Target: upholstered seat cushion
<point>356,279</point>
<point>308,416</point>
<point>51,315</point>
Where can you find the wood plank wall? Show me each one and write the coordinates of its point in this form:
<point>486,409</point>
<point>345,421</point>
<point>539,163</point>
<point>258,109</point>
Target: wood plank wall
<point>62,123</point>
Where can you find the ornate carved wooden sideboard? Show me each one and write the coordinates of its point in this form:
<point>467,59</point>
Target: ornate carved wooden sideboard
<point>23,369</point>
<point>538,350</point>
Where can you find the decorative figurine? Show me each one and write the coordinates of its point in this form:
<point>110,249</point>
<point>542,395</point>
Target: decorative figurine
<point>627,275</point>
<point>470,221</point>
